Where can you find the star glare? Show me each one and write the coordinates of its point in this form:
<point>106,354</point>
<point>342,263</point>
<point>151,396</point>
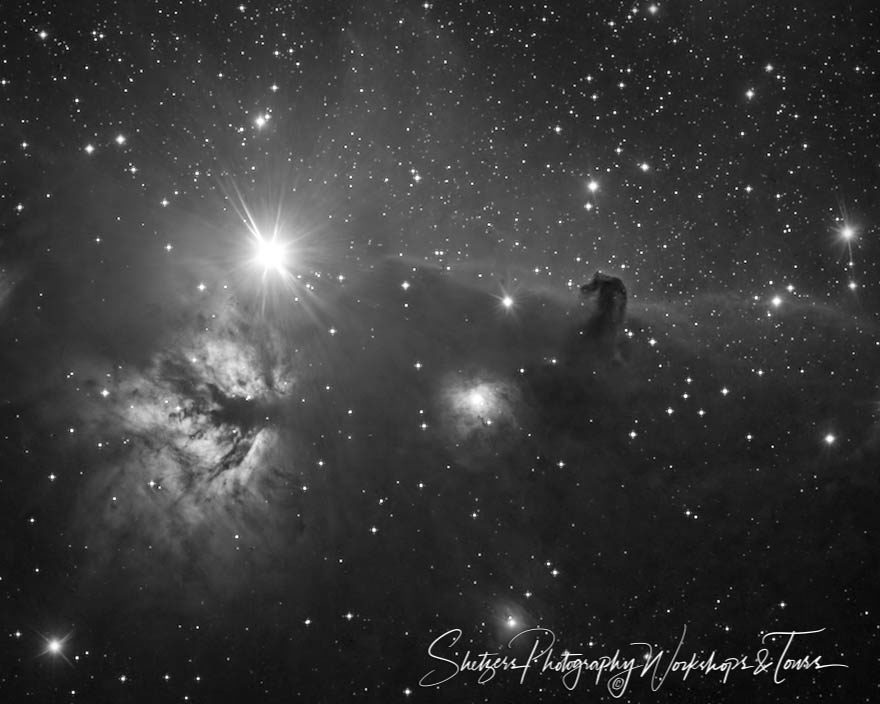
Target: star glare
<point>270,253</point>
<point>507,302</point>
<point>55,647</point>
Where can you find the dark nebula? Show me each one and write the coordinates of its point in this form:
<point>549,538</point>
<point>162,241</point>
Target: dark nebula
<point>329,329</point>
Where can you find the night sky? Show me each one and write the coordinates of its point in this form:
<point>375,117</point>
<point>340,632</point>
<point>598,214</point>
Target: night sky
<point>296,375</point>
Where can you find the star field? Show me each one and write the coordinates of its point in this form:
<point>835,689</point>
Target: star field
<point>297,374</point>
